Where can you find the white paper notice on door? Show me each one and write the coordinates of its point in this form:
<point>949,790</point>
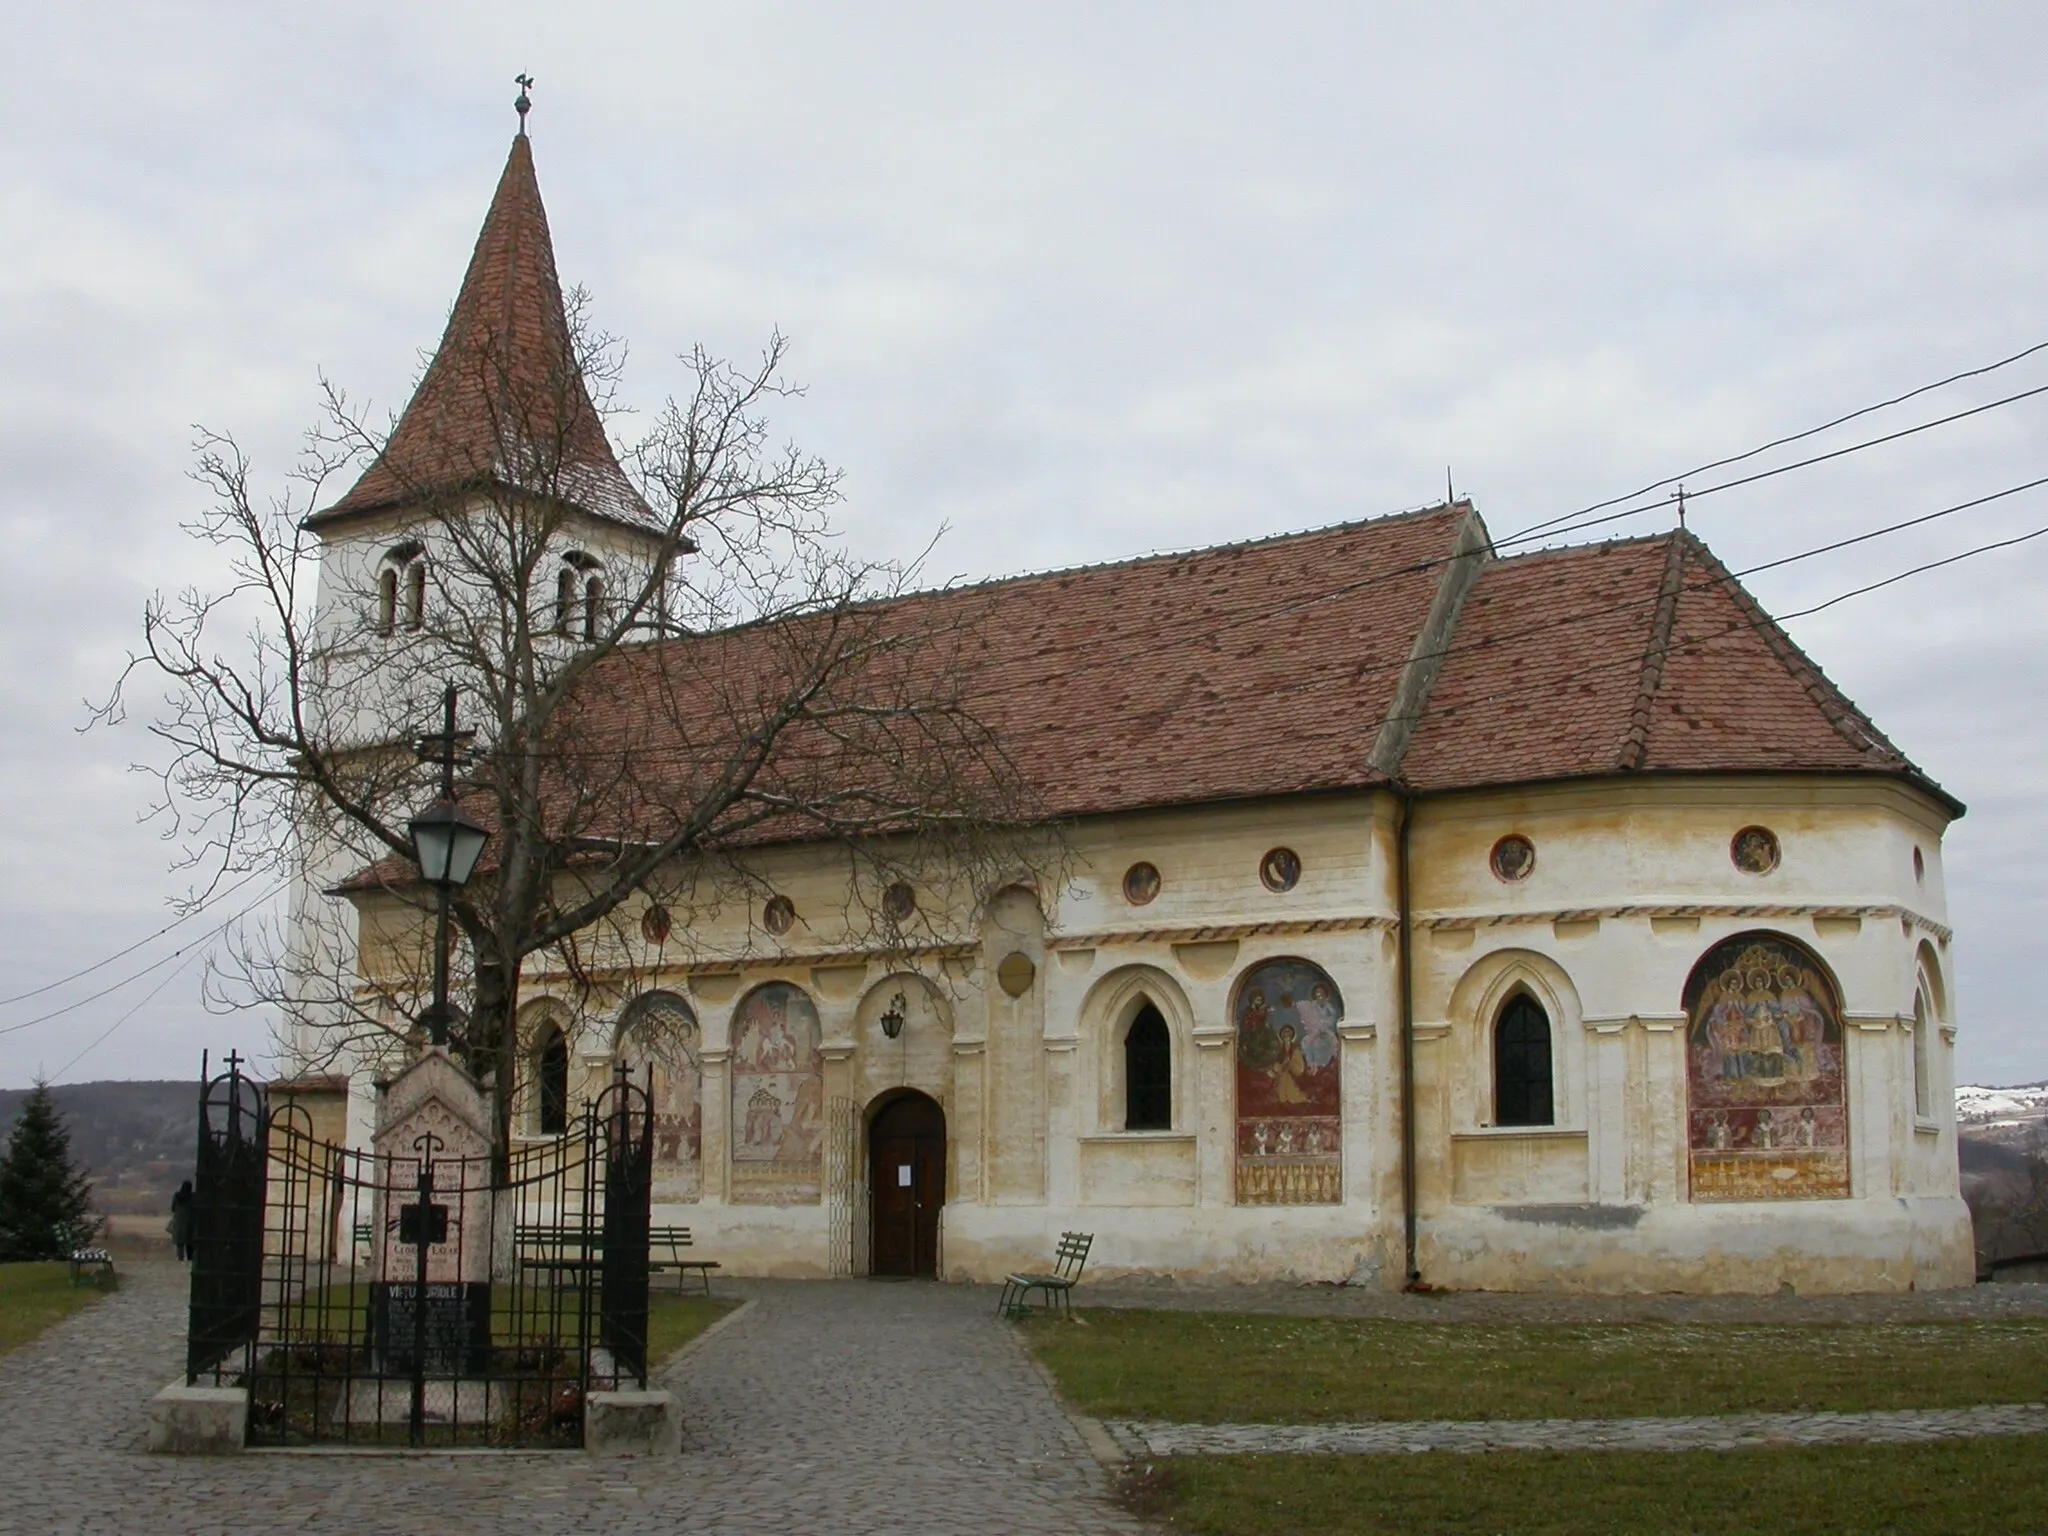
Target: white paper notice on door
<point>903,1175</point>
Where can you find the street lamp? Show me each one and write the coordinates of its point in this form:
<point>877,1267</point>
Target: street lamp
<point>892,1020</point>
<point>446,844</point>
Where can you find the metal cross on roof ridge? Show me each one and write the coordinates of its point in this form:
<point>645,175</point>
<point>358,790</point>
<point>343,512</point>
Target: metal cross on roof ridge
<point>523,103</point>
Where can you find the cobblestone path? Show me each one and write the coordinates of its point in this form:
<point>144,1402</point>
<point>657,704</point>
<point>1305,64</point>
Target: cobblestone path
<point>847,1407</point>
<point>1721,1432</point>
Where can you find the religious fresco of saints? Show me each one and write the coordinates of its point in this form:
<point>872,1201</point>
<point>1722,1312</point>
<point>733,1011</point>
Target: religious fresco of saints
<point>658,1047</point>
<point>778,1080</point>
<point>1289,1101</point>
<point>1767,1108</point>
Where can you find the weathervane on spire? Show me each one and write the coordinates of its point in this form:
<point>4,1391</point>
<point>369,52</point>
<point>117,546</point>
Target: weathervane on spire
<point>523,104</point>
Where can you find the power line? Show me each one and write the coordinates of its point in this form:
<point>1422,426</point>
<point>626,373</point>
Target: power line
<point>189,944</point>
<point>1794,437</point>
<point>1526,535</point>
<point>146,999</point>
<point>120,954</point>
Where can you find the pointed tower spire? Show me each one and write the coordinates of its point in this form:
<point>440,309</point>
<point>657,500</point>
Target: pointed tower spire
<point>503,405</point>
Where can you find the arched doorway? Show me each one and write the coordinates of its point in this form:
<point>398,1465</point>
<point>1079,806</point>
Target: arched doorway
<point>907,1184</point>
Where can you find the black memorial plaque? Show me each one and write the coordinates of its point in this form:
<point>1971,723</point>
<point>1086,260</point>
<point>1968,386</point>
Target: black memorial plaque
<point>458,1325</point>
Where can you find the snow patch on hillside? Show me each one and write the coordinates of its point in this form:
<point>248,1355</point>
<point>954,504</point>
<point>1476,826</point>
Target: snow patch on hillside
<point>1981,1106</point>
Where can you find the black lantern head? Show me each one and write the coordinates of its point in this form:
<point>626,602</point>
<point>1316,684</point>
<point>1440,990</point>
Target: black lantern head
<point>447,844</point>
<point>892,1020</point>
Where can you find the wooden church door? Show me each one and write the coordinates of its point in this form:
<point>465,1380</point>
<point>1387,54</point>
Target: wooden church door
<point>907,1184</point>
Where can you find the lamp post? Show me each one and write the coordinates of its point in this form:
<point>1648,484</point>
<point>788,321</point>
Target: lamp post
<point>446,844</point>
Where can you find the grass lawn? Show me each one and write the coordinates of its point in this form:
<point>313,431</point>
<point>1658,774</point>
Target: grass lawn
<point>33,1296</point>
<point>1230,1368</point>
<point>672,1321</point>
<point>1993,1484</point>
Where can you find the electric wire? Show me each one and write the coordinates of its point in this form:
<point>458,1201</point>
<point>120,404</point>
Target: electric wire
<point>1794,437</point>
<point>147,997</point>
<point>190,944</point>
<point>121,954</point>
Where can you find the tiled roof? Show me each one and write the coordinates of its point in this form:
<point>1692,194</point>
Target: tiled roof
<point>1242,672</point>
<point>503,402</point>
<point>1637,656</point>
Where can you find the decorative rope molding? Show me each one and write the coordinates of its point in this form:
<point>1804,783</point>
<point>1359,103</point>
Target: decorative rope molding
<point>1447,920</point>
<point>1218,931</point>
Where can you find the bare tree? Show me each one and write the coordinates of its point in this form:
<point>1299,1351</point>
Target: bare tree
<point>656,697</point>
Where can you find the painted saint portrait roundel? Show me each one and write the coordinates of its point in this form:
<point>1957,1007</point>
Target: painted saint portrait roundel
<point>1141,883</point>
<point>1512,858</point>
<point>1754,850</point>
<point>1280,869</point>
<point>899,901</point>
<point>779,916</point>
<point>655,924</point>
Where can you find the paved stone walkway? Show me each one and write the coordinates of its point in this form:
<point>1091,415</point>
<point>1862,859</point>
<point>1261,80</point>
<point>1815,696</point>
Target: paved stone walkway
<point>1724,1432</point>
<point>848,1407</point>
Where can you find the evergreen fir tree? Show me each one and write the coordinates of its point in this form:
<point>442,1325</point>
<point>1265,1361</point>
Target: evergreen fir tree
<point>45,1203</point>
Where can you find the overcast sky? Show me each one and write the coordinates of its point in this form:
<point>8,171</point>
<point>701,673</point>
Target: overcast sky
<point>1080,282</point>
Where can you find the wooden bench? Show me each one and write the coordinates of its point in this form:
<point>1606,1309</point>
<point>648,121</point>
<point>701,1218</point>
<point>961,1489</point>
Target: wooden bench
<point>1068,1261</point>
<point>675,1239</point>
<point>558,1251</point>
<point>95,1264</point>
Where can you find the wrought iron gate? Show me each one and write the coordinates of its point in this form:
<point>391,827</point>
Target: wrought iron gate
<point>416,1298</point>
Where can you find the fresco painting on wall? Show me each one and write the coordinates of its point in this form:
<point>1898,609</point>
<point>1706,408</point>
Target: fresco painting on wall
<point>778,1096</point>
<point>1766,1108</point>
<point>1290,1143</point>
<point>658,1046</point>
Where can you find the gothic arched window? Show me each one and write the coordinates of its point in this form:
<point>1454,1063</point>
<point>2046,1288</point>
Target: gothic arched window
<point>1148,1073</point>
<point>554,1082</point>
<point>387,600</point>
<point>593,606</point>
<point>1521,1064</point>
<point>1923,1074</point>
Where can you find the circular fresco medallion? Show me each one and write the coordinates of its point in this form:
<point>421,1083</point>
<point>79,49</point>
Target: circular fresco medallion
<point>1141,883</point>
<point>779,916</point>
<point>1280,869</point>
<point>1512,858</point>
<point>1754,850</point>
<point>1016,973</point>
<point>898,902</point>
<point>655,925</point>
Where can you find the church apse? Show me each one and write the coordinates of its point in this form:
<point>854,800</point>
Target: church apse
<point>1289,1107</point>
<point>778,1097</point>
<point>658,1047</point>
<point>1766,1111</point>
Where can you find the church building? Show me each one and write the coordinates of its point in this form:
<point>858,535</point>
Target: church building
<point>1425,914</point>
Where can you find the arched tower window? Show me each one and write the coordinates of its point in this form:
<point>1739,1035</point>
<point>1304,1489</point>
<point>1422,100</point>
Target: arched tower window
<point>416,594</point>
<point>1923,1026</point>
<point>593,606</point>
<point>1148,1073</point>
<point>554,1082</point>
<point>565,600</point>
<point>402,588</point>
<point>1521,1065</point>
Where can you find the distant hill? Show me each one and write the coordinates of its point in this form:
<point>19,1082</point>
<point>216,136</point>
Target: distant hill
<point>134,1139</point>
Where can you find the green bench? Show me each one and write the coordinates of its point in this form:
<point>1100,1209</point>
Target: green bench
<point>558,1251</point>
<point>1057,1287</point>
